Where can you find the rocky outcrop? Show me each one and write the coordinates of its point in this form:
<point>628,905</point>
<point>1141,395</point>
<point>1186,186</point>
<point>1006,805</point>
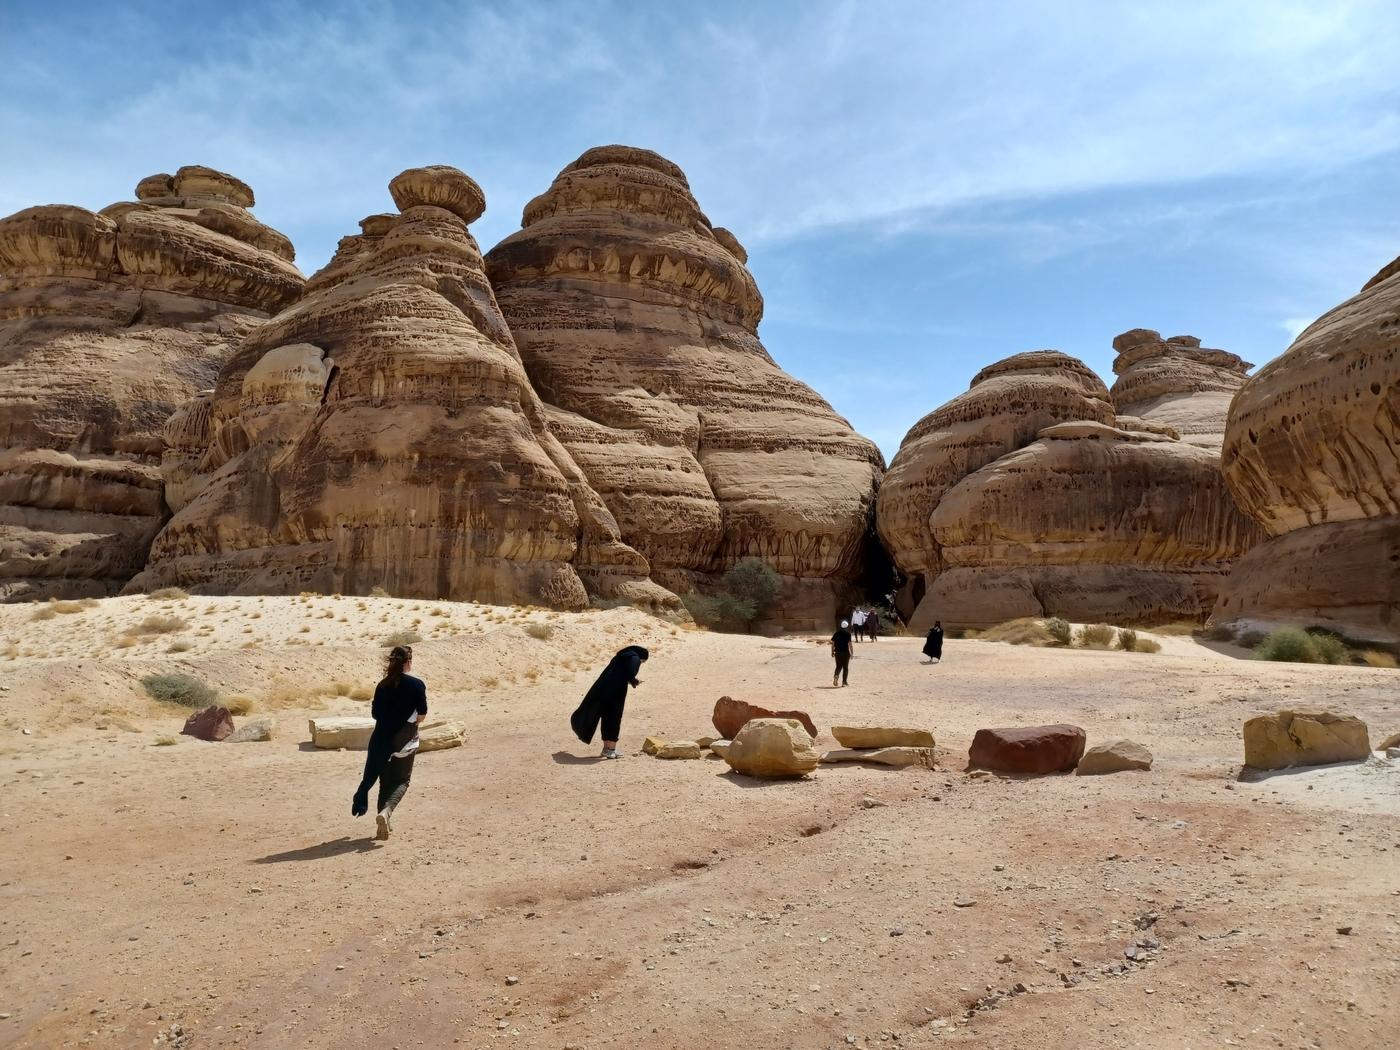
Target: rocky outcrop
<point>1028,496</point>
<point>1305,737</point>
<point>1027,749</point>
<point>383,432</point>
<point>637,321</point>
<point>1312,453</point>
<point>1177,383</point>
<point>108,322</point>
<point>772,748</point>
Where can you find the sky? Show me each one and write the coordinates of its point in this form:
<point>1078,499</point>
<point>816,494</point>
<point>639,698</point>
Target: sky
<point>923,187</point>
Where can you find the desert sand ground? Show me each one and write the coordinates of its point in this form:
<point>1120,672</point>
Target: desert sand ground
<point>214,895</point>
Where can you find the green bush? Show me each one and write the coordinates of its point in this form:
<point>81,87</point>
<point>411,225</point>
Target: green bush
<point>1059,630</point>
<point>1096,636</point>
<point>1330,648</point>
<point>183,689</point>
<point>1289,645</point>
<point>747,591</point>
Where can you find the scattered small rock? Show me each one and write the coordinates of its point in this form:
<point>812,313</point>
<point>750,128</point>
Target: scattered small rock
<point>1345,931</point>
<point>964,902</point>
<point>512,980</point>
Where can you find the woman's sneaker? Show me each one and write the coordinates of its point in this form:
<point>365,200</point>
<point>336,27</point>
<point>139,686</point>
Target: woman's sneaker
<point>610,752</point>
<point>381,831</point>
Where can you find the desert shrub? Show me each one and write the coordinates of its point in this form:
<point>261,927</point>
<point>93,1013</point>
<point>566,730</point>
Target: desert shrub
<point>342,688</point>
<point>238,705</point>
<point>402,638</point>
<point>166,594</point>
<point>69,607</point>
<point>379,592</point>
<point>1250,639</point>
<point>542,631</point>
<point>177,688</point>
<point>161,625</point>
<point>1096,636</point>
<point>180,647</point>
<point>1127,639</point>
<point>1177,628</point>
<point>1330,648</point>
<point>747,591</point>
<point>1377,658</point>
<point>361,692</point>
<point>167,740</point>
<point>1060,631</point>
<point>1288,645</point>
<point>1148,645</point>
<point>1025,631</point>
<point>1219,632</point>
<point>45,612</point>
<point>723,612</point>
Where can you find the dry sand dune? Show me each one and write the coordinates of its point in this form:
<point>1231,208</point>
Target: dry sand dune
<point>211,895</point>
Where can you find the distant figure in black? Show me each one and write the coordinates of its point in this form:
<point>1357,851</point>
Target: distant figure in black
<point>872,625</point>
<point>933,644</point>
<point>400,705</point>
<point>605,700</point>
<point>841,653</point>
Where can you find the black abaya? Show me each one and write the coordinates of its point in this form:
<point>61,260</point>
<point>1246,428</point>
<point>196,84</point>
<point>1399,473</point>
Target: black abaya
<point>604,701</point>
<point>933,646</point>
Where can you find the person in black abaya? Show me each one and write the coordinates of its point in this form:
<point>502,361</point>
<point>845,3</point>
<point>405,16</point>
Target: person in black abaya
<point>400,705</point>
<point>933,645</point>
<point>604,701</point>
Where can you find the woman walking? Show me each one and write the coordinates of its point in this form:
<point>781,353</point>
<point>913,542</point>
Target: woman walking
<point>604,701</point>
<point>933,644</point>
<point>400,705</point>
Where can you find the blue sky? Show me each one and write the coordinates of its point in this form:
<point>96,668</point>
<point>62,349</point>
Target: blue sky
<point>923,187</point>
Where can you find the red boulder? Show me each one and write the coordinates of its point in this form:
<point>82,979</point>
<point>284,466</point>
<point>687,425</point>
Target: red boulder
<point>1027,749</point>
<point>730,716</point>
<point>212,723</point>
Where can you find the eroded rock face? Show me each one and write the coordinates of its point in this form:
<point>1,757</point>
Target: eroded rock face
<point>1028,496</point>
<point>383,432</point>
<point>1177,383</point>
<point>637,321</point>
<point>1312,452</point>
<point>108,322</point>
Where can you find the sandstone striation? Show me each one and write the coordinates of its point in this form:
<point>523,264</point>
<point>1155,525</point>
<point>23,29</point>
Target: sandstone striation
<point>1312,453</point>
<point>637,321</point>
<point>1029,496</point>
<point>383,432</point>
<point>108,322</point>
<point>1176,383</point>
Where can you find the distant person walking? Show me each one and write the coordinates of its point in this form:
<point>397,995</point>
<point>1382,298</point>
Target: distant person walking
<point>841,653</point>
<point>933,644</point>
<point>603,703</point>
<point>858,622</point>
<point>400,705</point>
<point>872,625</point>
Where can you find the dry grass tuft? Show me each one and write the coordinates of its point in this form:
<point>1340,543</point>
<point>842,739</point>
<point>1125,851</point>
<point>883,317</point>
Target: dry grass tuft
<point>542,631</point>
<point>1096,636</point>
<point>239,705</point>
<point>1025,631</point>
<point>44,612</point>
<point>379,592</point>
<point>167,740</point>
<point>362,693</point>
<point>183,689</point>
<point>1376,658</point>
<point>167,594</point>
<point>161,625</point>
<point>180,647</point>
<point>402,638</point>
<point>1177,628</point>
<point>1148,645</point>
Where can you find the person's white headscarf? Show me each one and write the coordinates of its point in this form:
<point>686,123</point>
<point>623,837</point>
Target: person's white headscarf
<point>845,624</point>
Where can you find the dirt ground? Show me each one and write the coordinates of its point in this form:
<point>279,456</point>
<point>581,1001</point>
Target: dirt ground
<point>216,895</point>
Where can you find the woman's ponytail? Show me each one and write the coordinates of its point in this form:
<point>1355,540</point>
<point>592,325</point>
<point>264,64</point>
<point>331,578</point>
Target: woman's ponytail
<point>399,656</point>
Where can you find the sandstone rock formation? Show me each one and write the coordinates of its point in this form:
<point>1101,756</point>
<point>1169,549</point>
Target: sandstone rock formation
<point>732,715</point>
<point>1176,383</point>
<point>1312,452</point>
<point>900,756</point>
<point>108,322</point>
<point>881,736</point>
<point>1116,757</point>
<point>1027,749</point>
<point>1306,737</point>
<point>772,748</point>
<point>680,749</point>
<point>637,321</point>
<point>351,732</point>
<point>383,432</point>
<point>1029,496</point>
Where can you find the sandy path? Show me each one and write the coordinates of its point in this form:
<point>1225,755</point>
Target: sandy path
<point>224,888</point>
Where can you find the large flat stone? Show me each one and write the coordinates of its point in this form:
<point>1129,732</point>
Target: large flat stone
<point>885,756</point>
<point>1027,749</point>
<point>336,731</point>
<point>882,736</point>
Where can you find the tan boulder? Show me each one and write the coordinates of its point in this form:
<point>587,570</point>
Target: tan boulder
<point>720,748</point>
<point>1391,741</point>
<point>252,730</point>
<point>108,323</point>
<point>1311,453</point>
<point>1115,757</point>
<point>652,744</point>
<point>730,715</point>
<point>881,736</point>
<point>639,319</point>
<point>332,732</point>
<point>772,748</point>
<point>436,736</point>
<point>680,749</point>
<point>899,756</point>
<point>1304,737</point>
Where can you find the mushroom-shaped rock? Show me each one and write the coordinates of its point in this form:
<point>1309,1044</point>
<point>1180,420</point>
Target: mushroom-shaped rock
<point>441,186</point>
<point>1312,453</point>
<point>383,433</point>
<point>772,748</point>
<point>1178,383</point>
<point>638,323</point>
<point>108,323</point>
<point>195,180</point>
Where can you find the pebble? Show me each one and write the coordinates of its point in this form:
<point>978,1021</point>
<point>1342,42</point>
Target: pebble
<point>1345,931</point>
<point>1003,958</point>
<point>512,980</point>
<point>964,902</point>
<point>898,931</point>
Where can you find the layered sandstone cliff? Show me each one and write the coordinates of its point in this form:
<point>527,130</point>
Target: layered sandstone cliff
<point>382,432</point>
<point>1178,383</point>
<point>1029,496</point>
<point>637,321</point>
<point>108,322</point>
<point>1312,453</point>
